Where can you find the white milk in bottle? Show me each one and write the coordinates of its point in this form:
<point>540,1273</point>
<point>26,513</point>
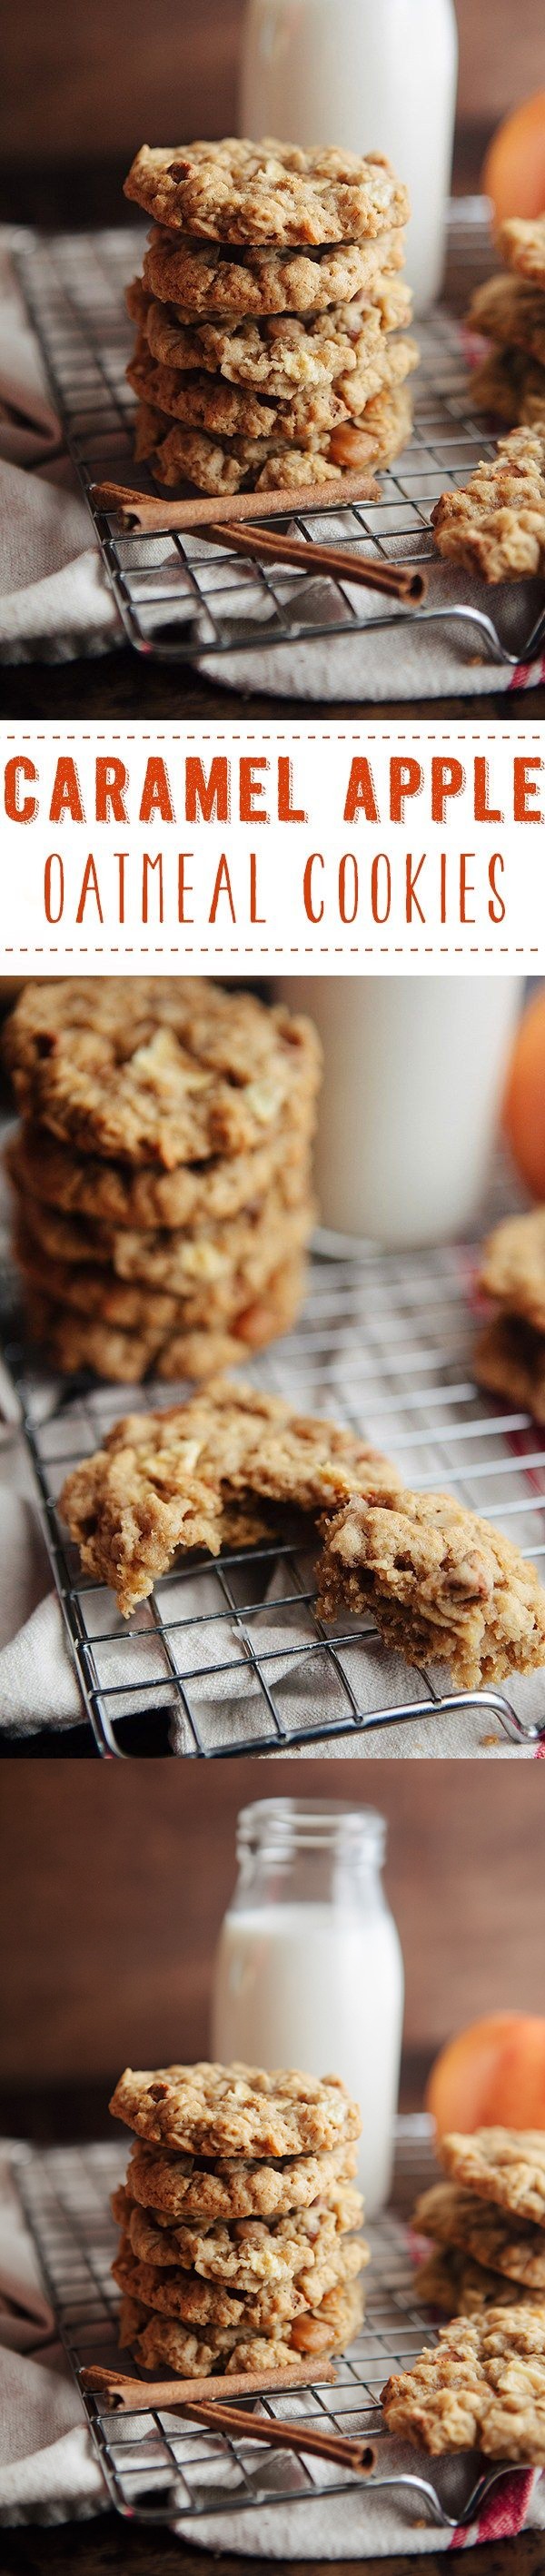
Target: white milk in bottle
<point>372,75</point>
<point>308,1969</point>
<point>414,1068</point>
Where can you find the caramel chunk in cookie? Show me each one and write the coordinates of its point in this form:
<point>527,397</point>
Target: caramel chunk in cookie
<point>268,192</point>
<point>441,1583</point>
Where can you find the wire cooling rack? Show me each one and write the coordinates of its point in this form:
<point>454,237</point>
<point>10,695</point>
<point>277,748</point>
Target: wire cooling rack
<point>181,597</point>
<point>228,1656</point>
<point>158,2466</point>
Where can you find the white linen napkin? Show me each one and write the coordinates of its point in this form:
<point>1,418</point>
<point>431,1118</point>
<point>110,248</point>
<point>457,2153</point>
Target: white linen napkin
<point>55,599</point>
<point>48,2470</point>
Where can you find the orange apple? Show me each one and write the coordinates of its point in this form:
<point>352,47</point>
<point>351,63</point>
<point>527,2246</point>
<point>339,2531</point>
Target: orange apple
<point>492,2075</point>
<point>514,169</point>
<point>524,1104</point>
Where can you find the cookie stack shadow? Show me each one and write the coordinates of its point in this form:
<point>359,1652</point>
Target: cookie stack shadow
<point>486,2221</point>
<point>271,348</point>
<point>240,2249</point>
<point>162,1172</point>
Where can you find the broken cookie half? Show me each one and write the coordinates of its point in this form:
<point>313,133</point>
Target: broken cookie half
<point>442,1585</point>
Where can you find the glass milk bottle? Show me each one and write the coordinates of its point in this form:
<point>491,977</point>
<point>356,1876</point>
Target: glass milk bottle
<point>372,75</point>
<point>414,1069</point>
<point>308,1970</point>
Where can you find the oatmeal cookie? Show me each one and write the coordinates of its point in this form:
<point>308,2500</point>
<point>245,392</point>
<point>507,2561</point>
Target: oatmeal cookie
<point>511,311</point>
<point>208,1291</point>
<point>214,2110</point>
<point>121,1505</point>
<point>522,246</point>
<point>299,420</point>
<point>76,1342</point>
<point>441,1583</point>
<point>227,411</point>
<point>154,1068</point>
<point>270,464</point>
<point>506,2166</point>
<point>512,386</point>
<point>266,2309</point>
<point>460,2287</point>
<point>513,1265</point>
<point>481,2387</point>
<point>267,192</point>
<point>165,2341</point>
<point>188,2190</point>
<point>503,2243</point>
<point>509,1360</point>
<point>211,284</point>
<point>133,1199</point>
<point>249,2252</point>
<point>208,1260</point>
<point>281,355</point>
<point>495,524</point>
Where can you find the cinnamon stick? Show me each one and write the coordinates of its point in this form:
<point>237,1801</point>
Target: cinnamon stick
<point>397,581</point>
<point>348,2451</point>
<point>142,510</point>
<point>135,2396</point>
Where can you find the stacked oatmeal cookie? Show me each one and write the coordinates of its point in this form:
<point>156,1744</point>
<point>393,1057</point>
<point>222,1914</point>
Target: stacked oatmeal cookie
<point>239,2219</point>
<point>486,2222</point>
<point>161,1173</point>
<point>495,523</point>
<point>482,2385</point>
<point>509,311</point>
<point>510,1354</point>
<point>271,317</point>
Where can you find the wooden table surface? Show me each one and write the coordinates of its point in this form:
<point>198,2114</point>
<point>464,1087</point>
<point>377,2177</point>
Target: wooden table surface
<point>124,684</point>
<point>102,2548</point>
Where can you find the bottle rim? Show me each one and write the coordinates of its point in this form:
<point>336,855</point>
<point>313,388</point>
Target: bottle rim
<point>284,1826</point>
